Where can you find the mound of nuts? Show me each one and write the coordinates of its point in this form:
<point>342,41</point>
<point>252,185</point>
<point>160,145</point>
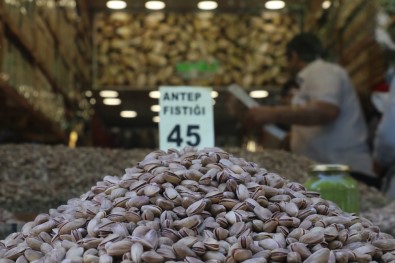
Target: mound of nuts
<point>35,178</point>
<point>197,206</point>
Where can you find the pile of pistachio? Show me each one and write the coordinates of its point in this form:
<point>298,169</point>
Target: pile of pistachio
<point>198,206</point>
<point>296,168</point>
<point>34,178</point>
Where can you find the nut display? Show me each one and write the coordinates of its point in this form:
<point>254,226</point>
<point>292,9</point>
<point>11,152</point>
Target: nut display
<point>247,49</point>
<point>295,168</point>
<point>34,178</point>
<point>197,206</point>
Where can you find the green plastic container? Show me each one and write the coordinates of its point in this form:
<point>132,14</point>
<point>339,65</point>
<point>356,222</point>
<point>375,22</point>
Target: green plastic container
<point>334,183</point>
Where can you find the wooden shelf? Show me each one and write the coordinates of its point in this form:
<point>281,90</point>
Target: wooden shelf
<point>59,46</point>
<point>38,116</point>
<point>70,60</point>
<point>56,71</point>
<point>13,31</point>
<point>348,11</point>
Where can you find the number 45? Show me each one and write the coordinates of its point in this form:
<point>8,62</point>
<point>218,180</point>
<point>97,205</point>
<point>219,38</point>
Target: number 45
<point>175,135</point>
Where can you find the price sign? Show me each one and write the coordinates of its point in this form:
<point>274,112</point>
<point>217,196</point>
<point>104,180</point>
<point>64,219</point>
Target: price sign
<point>186,117</point>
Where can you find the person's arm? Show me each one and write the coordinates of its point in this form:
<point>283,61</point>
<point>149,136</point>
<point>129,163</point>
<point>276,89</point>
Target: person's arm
<point>311,114</point>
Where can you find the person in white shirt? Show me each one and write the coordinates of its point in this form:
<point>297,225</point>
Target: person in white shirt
<point>326,117</point>
<point>384,144</point>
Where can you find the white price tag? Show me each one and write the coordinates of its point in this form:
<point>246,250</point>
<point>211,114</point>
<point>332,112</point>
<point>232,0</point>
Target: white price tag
<point>186,117</point>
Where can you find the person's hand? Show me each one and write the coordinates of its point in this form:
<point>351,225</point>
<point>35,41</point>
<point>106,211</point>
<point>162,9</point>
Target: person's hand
<point>259,116</point>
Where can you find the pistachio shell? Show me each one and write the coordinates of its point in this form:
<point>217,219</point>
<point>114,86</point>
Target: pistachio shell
<point>321,255</point>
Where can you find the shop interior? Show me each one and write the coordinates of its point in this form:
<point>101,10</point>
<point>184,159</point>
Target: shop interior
<point>80,114</point>
<point>60,57</point>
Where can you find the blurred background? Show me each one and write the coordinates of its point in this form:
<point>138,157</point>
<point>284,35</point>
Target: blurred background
<point>82,73</point>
